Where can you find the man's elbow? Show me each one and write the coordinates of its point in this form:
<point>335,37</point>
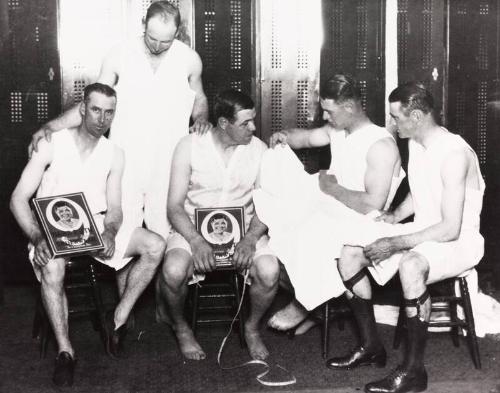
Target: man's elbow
<point>452,233</point>
<point>172,211</point>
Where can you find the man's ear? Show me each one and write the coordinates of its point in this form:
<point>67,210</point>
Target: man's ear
<point>416,115</point>
<point>222,123</point>
<point>82,108</point>
<point>348,105</point>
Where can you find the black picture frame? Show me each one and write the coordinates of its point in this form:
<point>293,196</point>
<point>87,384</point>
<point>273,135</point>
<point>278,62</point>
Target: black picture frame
<point>67,224</point>
<point>222,241</point>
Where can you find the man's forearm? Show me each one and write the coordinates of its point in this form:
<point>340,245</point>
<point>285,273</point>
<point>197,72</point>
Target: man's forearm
<point>113,221</point>
<point>357,200</point>
<point>24,217</point>
<point>256,228</point>
<point>297,138</point>
<point>200,109</point>
<point>69,119</point>
<point>182,223</point>
<point>404,210</point>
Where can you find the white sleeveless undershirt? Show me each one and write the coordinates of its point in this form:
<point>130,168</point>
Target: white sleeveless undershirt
<point>424,176</point>
<point>68,173</point>
<point>349,157</point>
<point>213,184</point>
<point>153,107</point>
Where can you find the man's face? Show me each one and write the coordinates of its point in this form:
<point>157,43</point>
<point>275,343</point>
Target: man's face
<point>219,225</point>
<point>335,114</point>
<point>405,125</point>
<point>243,127</point>
<point>64,213</point>
<point>159,34</point>
<point>98,113</point>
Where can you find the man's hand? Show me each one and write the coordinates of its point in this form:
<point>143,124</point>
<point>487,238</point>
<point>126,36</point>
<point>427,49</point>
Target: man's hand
<point>108,239</point>
<point>326,181</point>
<point>381,249</point>
<point>387,217</point>
<point>42,252</point>
<point>203,256</point>
<point>244,252</point>
<point>200,127</point>
<point>279,137</point>
<point>44,132</point>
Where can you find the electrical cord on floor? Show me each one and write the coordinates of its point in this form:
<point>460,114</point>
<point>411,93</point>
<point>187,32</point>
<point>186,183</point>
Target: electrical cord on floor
<point>259,377</point>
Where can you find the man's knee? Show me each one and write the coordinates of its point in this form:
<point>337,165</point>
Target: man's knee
<point>177,267</point>
<point>352,258</point>
<point>266,270</point>
<point>154,246</point>
<point>53,273</point>
<point>413,267</point>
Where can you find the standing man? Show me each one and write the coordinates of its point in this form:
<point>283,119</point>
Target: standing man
<point>218,169</point>
<point>446,193</point>
<point>81,160</point>
<point>364,174</point>
<point>158,80</point>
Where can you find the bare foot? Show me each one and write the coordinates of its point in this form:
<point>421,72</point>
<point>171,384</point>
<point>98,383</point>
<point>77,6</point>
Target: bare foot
<point>188,345</point>
<point>288,317</point>
<point>304,327</point>
<point>256,346</point>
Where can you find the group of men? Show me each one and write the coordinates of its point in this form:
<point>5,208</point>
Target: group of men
<point>151,170</point>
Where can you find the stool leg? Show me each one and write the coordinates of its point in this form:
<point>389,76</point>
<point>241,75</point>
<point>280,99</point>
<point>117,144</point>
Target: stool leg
<point>241,318</point>
<point>326,330</point>
<point>398,333</point>
<point>194,312</point>
<point>454,319</point>
<point>469,318</point>
<point>96,290</point>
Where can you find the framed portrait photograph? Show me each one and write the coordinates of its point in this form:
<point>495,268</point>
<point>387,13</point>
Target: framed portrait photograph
<point>67,224</point>
<point>223,228</point>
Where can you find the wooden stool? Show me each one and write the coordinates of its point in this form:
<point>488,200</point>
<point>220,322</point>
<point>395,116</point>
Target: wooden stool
<point>449,303</point>
<point>216,301</point>
<point>84,296</point>
<point>337,309</point>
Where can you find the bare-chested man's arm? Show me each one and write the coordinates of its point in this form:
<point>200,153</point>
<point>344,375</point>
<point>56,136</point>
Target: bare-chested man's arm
<point>180,175</point>
<point>114,216</point>
<point>298,138</point>
<point>200,107</point>
<point>19,202</point>
<point>383,162</point>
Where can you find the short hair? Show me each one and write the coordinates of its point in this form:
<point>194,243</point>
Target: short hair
<point>166,10</point>
<point>218,216</point>
<point>340,88</point>
<point>413,95</point>
<point>229,102</point>
<point>59,204</point>
<point>99,88</point>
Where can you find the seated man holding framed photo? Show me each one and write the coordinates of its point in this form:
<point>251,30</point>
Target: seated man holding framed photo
<point>218,169</point>
<point>82,160</point>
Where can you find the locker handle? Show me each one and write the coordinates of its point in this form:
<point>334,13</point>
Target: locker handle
<point>51,74</point>
<point>435,74</point>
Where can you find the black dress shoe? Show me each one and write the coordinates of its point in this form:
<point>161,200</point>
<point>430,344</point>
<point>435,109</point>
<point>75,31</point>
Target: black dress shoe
<point>358,357</point>
<point>115,338</point>
<point>64,369</point>
<point>400,381</point>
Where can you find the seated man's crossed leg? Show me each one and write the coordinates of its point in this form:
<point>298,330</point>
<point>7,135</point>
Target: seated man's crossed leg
<point>148,249</point>
<point>176,272</point>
